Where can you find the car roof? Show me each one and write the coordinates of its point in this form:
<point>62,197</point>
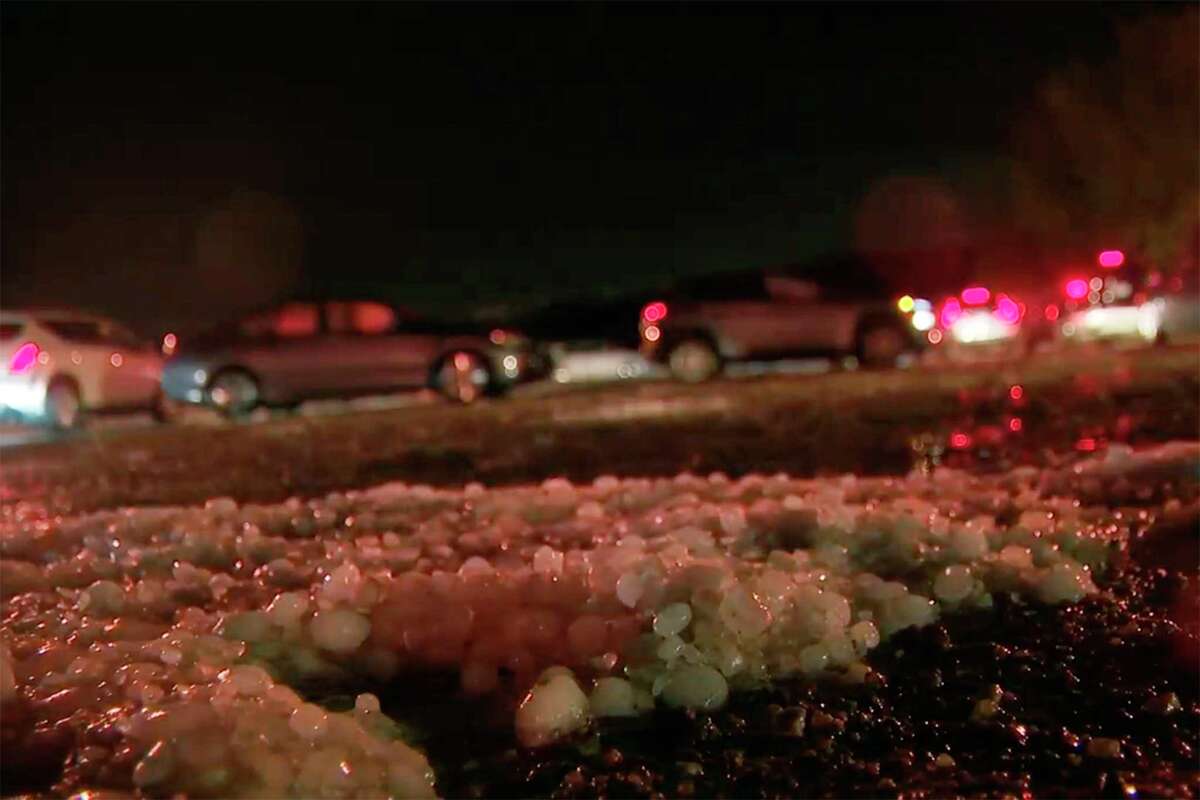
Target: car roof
<point>63,314</point>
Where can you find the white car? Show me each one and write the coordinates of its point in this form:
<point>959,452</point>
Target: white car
<point>58,365</point>
<point>584,362</point>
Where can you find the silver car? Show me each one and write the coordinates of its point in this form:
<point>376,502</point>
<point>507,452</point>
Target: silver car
<point>839,309</point>
<point>307,350</point>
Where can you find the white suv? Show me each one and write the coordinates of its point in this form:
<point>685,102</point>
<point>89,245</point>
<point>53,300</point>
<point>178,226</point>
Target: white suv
<point>57,365</point>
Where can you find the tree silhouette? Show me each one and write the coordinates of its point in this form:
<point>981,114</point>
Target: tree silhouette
<point>1108,155</point>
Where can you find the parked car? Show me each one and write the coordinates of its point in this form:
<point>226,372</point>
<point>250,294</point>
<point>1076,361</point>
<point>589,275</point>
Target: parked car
<point>61,365</point>
<point>978,316</point>
<point>1177,300</point>
<point>589,341</point>
<point>298,351</point>
<point>1128,302</point>
<point>835,308</point>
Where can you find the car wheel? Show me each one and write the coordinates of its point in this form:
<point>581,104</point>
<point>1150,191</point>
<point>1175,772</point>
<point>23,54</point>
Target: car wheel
<point>693,360</point>
<point>233,392</point>
<point>64,408</point>
<point>462,376</point>
<point>881,344</point>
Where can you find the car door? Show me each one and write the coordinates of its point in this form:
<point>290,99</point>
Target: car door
<point>802,319</point>
<point>286,350</point>
<point>79,351</point>
<point>735,307</point>
<point>377,347</point>
<point>134,367</point>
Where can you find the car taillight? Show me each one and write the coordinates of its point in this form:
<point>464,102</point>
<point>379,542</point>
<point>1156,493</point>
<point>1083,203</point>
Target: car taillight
<point>1007,309</point>
<point>655,312</point>
<point>24,358</point>
<point>502,337</point>
<point>951,311</point>
<point>1076,288</point>
<point>976,295</point>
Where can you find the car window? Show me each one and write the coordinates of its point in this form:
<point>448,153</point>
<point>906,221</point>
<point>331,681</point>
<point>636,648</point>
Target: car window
<point>841,278</point>
<point>116,334</point>
<point>362,318</point>
<point>725,286</point>
<point>78,331</point>
<point>291,321</point>
<point>786,289</point>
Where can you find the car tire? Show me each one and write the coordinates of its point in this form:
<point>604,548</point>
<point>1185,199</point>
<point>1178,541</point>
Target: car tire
<point>64,405</point>
<point>693,360</point>
<point>462,376</point>
<point>234,392</point>
<point>880,344</point>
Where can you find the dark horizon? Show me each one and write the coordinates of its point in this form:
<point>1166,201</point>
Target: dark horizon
<point>428,154</point>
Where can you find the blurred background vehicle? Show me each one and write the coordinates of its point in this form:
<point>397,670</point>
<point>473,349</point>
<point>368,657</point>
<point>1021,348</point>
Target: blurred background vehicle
<point>60,365</point>
<point>589,341</point>
<point>1177,298</point>
<point>980,320</point>
<point>1123,300</point>
<point>307,350</point>
<point>836,307</point>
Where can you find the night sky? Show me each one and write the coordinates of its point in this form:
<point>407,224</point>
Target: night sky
<point>173,163</point>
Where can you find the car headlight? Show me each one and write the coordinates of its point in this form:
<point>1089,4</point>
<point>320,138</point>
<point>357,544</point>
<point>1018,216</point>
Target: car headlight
<point>923,319</point>
<point>512,365</point>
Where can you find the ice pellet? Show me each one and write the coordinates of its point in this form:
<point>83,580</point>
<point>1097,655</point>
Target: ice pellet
<point>555,707</point>
<point>309,721</point>
<point>613,697</point>
<point>695,686</point>
<point>340,631</point>
<point>953,584</point>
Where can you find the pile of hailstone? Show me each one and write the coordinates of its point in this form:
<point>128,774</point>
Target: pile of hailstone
<point>175,632</point>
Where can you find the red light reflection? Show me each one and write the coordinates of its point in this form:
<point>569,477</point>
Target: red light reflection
<point>1111,259</point>
<point>960,440</point>
<point>1015,424</point>
<point>1016,391</point>
<point>1086,445</point>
